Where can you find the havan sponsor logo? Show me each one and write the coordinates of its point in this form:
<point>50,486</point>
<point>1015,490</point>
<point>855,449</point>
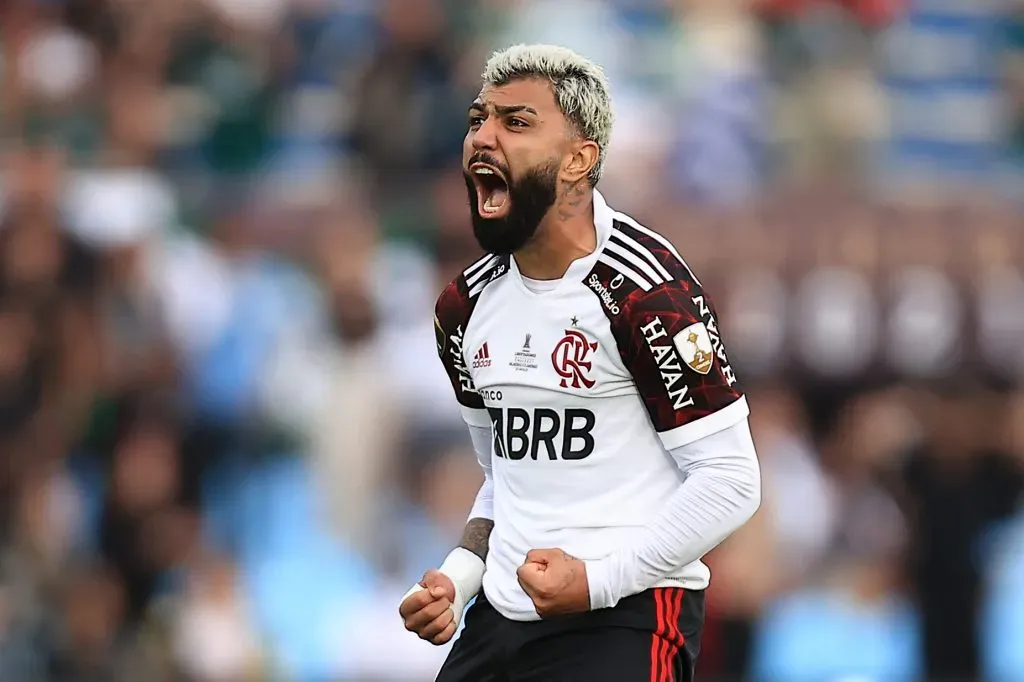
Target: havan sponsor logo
<point>669,363</point>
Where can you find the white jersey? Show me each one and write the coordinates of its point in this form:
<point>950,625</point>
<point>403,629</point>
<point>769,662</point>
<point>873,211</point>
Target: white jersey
<point>585,386</point>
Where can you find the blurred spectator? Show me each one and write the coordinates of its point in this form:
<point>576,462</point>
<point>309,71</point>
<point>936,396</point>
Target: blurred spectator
<point>1002,614</point>
<point>213,632</point>
<point>856,588</point>
<point>409,104</point>
<point>958,483</point>
<point>359,426</point>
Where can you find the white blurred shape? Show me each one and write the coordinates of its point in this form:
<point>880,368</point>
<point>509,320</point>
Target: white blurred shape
<point>405,288</point>
<point>377,646</point>
<point>636,157</point>
<point>195,289</point>
<point>1000,295</point>
<point>258,15</point>
<point>590,28</point>
<point>213,636</point>
<point>794,484</point>
<point>58,62</point>
<point>757,320</point>
<point>837,327</point>
<point>924,322</point>
<point>120,207</point>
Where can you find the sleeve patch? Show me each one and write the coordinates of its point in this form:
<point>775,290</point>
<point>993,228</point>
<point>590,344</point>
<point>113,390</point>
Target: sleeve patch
<point>667,359</point>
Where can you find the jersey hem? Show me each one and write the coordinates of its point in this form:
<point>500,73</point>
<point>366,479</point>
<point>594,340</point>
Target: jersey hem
<point>690,583</point>
<point>729,415</point>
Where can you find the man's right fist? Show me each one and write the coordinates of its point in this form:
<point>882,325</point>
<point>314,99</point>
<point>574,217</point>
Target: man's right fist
<point>428,611</point>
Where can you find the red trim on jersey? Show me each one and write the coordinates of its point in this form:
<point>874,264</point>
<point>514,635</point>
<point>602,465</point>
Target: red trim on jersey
<point>667,639</point>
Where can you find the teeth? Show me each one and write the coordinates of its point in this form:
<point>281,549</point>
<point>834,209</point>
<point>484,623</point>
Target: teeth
<point>489,207</point>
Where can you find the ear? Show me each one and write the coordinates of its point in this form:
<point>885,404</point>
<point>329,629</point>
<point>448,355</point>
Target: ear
<point>583,158</point>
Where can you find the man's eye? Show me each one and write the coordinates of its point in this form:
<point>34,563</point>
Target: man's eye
<point>517,123</point>
<point>475,121</point>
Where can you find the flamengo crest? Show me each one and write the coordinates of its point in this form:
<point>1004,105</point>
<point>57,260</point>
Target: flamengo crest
<point>569,358</point>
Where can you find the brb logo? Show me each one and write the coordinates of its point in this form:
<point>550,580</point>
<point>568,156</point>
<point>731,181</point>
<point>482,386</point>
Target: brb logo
<point>542,433</point>
<point>569,358</point>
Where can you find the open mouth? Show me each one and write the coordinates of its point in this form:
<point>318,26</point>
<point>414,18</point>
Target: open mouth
<point>491,190</point>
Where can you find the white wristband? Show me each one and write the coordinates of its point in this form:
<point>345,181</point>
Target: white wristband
<point>466,571</point>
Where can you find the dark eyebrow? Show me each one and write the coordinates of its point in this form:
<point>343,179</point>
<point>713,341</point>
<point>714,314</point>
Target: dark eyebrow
<point>504,110</point>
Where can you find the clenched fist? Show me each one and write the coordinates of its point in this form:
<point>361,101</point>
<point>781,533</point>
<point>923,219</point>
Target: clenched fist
<point>428,612</point>
<point>555,581</point>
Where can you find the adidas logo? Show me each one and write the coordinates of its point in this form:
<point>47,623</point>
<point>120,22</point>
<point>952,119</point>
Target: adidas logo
<point>482,357</point>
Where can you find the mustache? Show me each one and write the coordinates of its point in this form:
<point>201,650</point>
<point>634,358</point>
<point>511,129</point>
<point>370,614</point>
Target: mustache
<point>484,157</point>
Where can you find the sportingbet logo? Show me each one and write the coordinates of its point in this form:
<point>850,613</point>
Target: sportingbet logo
<point>604,293</point>
<point>669,363</point>
<point>542,433</point>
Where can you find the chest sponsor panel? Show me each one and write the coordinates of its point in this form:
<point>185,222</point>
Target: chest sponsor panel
<point>543,433</point>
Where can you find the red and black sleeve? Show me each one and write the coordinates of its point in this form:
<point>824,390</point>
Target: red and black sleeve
<point>668,337</point>
<point>451,315</point>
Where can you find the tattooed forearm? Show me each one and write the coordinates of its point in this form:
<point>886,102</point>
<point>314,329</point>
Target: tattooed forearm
<point>476,536</point>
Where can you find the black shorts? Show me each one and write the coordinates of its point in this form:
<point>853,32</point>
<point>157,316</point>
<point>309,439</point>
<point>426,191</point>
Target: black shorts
<point>653,636</point>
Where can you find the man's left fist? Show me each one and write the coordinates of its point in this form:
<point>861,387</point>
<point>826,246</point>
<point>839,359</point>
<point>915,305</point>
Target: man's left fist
<point>556,582</point>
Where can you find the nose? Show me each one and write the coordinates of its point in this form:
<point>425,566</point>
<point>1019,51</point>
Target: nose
<point>486,136</point>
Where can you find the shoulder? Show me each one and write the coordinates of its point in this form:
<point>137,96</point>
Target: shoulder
<point>664,262</point>
<point>666,332</point>
<point>640,268</point>
<point>652,298</point>
<point>457,300</point>
<point>452,314</point>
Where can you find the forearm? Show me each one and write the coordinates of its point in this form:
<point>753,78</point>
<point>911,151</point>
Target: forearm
<point>465,565</point>
<point>721,491</point>
<point>477,533</point>
<point>476,536</point>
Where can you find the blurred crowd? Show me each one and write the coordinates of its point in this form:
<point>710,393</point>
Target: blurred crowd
<point>228,447</point>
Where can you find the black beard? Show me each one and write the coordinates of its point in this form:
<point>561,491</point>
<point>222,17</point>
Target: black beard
<point>532,196</point>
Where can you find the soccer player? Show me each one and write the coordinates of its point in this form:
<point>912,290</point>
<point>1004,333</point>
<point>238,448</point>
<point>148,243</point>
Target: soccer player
<point>610,426</point>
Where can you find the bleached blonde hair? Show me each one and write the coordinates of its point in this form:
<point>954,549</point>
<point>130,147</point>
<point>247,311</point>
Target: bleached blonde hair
<point>580,87</point>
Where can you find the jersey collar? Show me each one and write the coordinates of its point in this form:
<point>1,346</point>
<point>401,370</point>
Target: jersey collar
<point>604,217</point>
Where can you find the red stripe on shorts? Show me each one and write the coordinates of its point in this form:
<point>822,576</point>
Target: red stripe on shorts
<point>667,639</point>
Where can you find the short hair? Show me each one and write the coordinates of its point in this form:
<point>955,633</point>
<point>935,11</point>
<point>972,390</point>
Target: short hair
<point>580,87</point>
